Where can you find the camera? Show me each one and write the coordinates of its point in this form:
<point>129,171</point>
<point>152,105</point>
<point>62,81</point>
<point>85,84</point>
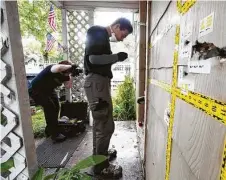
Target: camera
<point>76,72</point>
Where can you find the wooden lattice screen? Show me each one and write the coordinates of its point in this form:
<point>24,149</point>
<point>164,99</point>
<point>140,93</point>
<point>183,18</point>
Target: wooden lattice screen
<point>78,22</point>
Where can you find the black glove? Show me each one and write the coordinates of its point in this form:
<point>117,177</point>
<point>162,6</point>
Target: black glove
<point>122,56</point>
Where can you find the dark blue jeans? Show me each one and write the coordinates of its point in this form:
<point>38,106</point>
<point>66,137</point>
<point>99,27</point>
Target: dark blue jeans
<point>51,107</point>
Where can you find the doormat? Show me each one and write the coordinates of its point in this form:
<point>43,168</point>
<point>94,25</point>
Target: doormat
<point>51,155</point>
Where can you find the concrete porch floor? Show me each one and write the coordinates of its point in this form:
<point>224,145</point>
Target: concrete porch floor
<point>124,140</point>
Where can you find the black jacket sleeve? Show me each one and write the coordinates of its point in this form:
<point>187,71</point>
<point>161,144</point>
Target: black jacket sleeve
<point>95,43</point>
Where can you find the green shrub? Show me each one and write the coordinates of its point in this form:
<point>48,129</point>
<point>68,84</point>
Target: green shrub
<point>124,101</point>
<point>39,123</point>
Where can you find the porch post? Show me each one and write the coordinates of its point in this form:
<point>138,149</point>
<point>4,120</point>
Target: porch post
<point>148,51</point>
<point>17,140</point>
<point>142,57</point>
<point>65,45</point>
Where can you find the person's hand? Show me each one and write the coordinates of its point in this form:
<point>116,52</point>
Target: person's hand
<point>122,56</point>
<point>75,70</point>
<point>73,67</point>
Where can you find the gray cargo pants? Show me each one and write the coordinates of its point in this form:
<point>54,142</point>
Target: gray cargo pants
<point>97,88</point>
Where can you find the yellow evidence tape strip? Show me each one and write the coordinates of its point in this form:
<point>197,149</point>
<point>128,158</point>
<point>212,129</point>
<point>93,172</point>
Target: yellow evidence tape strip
<point>172,106</point>
<point>184,7</point>
<point>212,107</point>
<point>223,166</point>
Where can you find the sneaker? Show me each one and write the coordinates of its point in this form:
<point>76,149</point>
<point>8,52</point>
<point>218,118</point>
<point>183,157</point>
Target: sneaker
<point>112,154</point>
<point>58,138</point>
<point>112,171</point>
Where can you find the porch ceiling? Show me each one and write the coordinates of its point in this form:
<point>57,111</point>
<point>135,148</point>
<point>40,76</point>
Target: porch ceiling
<point>89,4</point>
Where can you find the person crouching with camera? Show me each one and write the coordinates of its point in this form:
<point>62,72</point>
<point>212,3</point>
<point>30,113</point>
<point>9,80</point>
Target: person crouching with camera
<point>42,91</point>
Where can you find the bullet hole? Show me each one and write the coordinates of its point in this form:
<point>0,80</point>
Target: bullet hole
<point>185,73</point>
<point>186,42</point>
<point>207,50</point>
<point>168,114</point>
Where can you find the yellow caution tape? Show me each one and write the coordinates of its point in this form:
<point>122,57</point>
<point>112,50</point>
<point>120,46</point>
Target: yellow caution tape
<point>172,107</point>
<point>161,84</point>
<point>210,106</point>
<point>223,167</point>
<point>169,137</point>
<point>184,7</point>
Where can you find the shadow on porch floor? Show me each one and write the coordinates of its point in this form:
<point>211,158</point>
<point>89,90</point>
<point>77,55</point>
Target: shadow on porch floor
<point>124,140</point>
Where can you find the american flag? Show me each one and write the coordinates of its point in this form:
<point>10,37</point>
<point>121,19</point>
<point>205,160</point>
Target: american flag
<point>50,42</point>
<point>52,18</point>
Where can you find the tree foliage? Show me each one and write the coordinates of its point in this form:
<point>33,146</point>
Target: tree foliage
<point>34,21</point>
<point>124,102</point>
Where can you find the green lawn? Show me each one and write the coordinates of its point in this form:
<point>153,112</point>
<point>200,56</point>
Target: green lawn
<point>38,123</point>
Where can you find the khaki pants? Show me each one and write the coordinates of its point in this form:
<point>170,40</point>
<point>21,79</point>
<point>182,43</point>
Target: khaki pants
<point>98,87</point>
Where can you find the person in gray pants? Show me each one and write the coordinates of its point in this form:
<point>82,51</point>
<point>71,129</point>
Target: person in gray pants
<point>98,60</point>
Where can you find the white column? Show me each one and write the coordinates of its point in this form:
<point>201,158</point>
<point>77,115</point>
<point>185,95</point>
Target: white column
<point>65,45</point>
<point>91,23</point>
<point>17,140</point>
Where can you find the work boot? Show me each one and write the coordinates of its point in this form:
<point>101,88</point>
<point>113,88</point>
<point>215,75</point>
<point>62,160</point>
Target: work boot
<point>58,138</point>
<point>112,154</point>
<point>112,172</point>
